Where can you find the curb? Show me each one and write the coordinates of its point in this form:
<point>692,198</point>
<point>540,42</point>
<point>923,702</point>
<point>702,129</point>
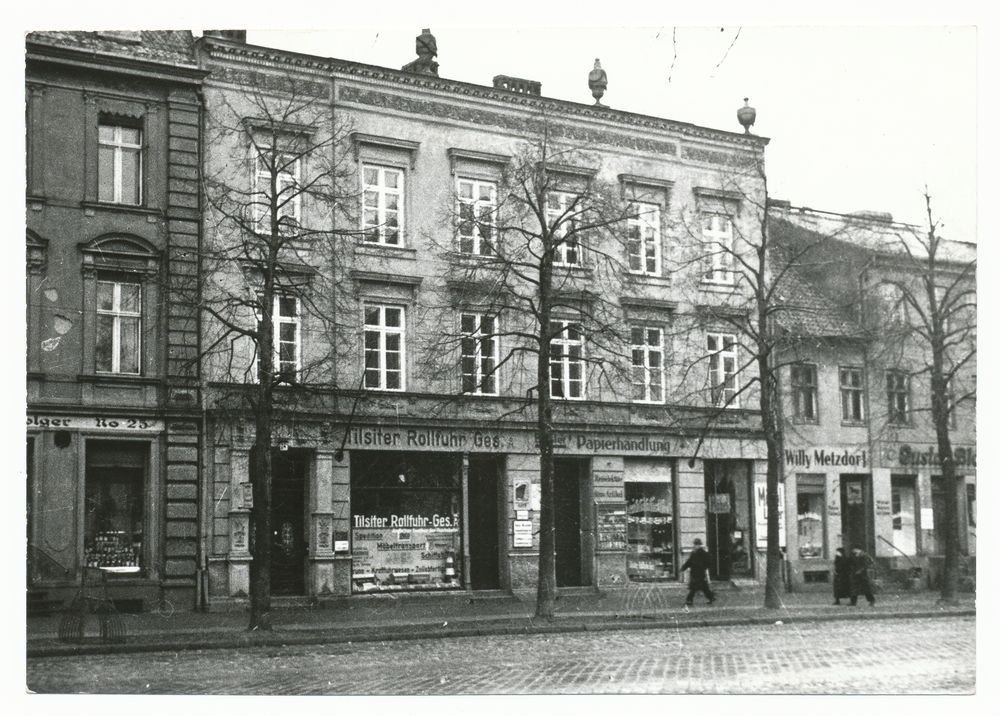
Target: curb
<point>573,624</point>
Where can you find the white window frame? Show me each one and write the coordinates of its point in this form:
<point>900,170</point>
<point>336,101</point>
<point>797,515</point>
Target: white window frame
<point>852,394</point>
<point>644,239</point>
<point>119,146</point>
<point>382,332</point>
<point>898,414</point>
<point>723,367</point>
<point>381,193</point>
<point>118,314</point>
<point>556,203</point>
<point>563,361</point>
<point>480,351</point>
<point>483,216</point>
<point>644,354</point>
<point>803,389</point>
<point>285,179</point>
<point>717,234</point>
<point>278,319</point>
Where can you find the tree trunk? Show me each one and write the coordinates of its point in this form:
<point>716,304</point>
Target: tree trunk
<point>546,598</point>
<point>950,526</point>
<point>773,437</point>
<point>260,556</point>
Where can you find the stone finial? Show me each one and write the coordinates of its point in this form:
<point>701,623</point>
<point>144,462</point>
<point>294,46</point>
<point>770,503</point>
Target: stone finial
<point>426,52</point>
<point>598,80</point>
<point>746,115</point>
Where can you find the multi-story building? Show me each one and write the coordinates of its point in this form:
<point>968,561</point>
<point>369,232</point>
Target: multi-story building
<point>861,465</point>
<point>406,454</point>
<point>113,413</point>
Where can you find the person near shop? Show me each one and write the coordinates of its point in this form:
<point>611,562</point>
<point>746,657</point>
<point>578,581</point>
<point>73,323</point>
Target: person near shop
<point>859,582</point>
<point>841,576</point>
<point>698,562</point>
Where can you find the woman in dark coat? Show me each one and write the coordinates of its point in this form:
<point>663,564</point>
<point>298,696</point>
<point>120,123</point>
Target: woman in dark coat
<point>859,577</point>
<point>841,576</point>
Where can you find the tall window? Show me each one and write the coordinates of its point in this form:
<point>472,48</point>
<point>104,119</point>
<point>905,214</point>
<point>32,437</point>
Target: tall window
<point>647,365</point>
<point>804,391</point>
<point>811,516</point>
<point>722,366</point>
<point>384,347</point>
<point>479,354</point>
<point>852,395</point>
<point>383,205</point>
<point>566,361</point>
<point>477,203</point>
<point>287,321</point>
<point>897,391</point>
<point>556,205</point>
<point>644,239</point>
<point>285,168</point>
<point>717,231</point>
<point>119,172</point>
<point>115,493</point>
<point>119,322</point>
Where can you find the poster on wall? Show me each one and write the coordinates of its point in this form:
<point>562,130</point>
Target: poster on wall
<point>760,514</point>
<point>405,552</point>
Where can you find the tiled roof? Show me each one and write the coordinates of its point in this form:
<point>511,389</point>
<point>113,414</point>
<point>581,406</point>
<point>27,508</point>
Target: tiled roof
<point>169,46</point>
<point>804,311</point>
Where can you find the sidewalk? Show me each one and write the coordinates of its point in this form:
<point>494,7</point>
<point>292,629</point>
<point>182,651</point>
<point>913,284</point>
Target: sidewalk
<point>388,617</point>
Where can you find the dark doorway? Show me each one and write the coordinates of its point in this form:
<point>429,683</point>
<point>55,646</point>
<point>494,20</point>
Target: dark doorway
<point>857,521</point>
<point>288,499</point>
<point>568,477</point>
<point>720,496</point>
<point>484,526</point>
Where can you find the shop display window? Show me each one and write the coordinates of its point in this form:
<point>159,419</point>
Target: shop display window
<point>113,518</point>
<point>811,515</point>
<point>405,522</point>
<point>904,515</point>
<point>650,530</point>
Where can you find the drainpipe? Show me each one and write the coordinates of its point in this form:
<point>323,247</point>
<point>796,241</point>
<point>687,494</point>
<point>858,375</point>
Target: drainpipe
<point>205,503</point>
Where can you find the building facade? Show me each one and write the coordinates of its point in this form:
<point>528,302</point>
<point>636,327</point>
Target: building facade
<point>113,412</point>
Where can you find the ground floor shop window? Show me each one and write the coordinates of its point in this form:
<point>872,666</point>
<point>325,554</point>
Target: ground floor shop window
<point>970,501</point>
<point>811,516</point>
<point>904,515</point>
<point>114,494</point>
<point>650,530</point>
<point>405,521</point>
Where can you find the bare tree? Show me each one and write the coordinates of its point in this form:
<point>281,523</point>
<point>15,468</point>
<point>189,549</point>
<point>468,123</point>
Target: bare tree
<point>274,180</point>
<point>540,265</point>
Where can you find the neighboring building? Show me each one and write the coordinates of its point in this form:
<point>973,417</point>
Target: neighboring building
<point>860,447</point>
<point>394,476</point>
<point>113,413</point>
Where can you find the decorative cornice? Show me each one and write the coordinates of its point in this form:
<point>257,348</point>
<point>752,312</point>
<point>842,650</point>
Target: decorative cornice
<point>646,304</point>
<point>392,279</point>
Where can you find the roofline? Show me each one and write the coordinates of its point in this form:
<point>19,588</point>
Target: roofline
<point>113,62</point>
<point>269,55</point>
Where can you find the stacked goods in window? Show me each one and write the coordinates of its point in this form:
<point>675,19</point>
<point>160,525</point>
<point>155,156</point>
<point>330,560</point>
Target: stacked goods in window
<point>112,549</point>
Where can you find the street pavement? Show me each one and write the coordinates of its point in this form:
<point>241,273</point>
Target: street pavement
<point>849,656</point>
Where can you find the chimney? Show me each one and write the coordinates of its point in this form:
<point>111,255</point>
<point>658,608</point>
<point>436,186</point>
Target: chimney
<point>239,36</point>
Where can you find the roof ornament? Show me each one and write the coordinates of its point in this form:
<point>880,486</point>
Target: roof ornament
<point>426,52</point>
<point>746,115</point>
<point>598,80</point>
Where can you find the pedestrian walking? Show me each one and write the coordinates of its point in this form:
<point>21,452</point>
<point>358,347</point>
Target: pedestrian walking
<point>859,582</point>
<point>698,562</point>
<point>841,576</point>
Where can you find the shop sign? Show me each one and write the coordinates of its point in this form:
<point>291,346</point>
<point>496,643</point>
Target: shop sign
<point>404,551</point>
<point>522,533</point>
<point>854,494</point>
<point>827,457</point>
<point>428,438</point>
<point>94,422</point>
<point>920,456</point>
<point>609,493</point>
<point>760,514</point>
<point>718,504</point>
<point>927,518</point>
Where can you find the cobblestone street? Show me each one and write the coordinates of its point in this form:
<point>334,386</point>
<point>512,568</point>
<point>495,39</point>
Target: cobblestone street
<point>870,657</point>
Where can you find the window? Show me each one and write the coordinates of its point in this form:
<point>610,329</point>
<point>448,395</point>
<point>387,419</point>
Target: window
<point>722,369</point>
<point>557,204</point>
<point>119,170</point>
<point>804,391</point>
<point>647,365</point>
<point>644,239</point>
<point>285,170</point>
<point>566,360</point>
<point>897,389</point>
<point>477,208</point>
<point>479,354</point>
<point>383,205</point>
<point>287,338</point>
<point>114,495</point>
<point>384,346</point>
<point>717,231</point>
<point>811,513</point>
<point>852,395</point>
<point>904,515</point>
<point>119,322</point>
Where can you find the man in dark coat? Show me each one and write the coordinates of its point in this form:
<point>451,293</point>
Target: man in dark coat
<point>859,583</point>
<point>698,562</point>
<point>841,576</point>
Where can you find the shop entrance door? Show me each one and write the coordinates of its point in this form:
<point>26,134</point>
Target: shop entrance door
<point>568,523</point>
<point>857,520</point>
<point>288,543</point>
<point>484,525</point>
<point>727,518</point>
